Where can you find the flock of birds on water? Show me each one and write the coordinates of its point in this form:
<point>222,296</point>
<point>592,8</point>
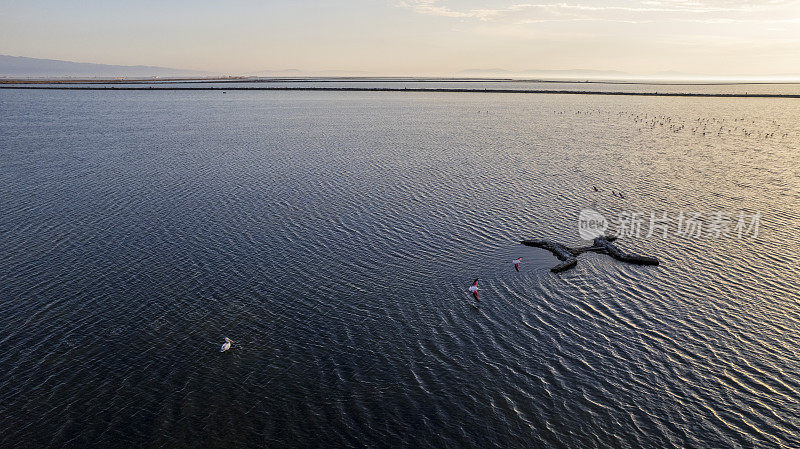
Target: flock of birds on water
<point>700,126</point>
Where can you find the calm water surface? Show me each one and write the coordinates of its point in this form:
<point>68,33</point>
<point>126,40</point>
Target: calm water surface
<point>332,237</point>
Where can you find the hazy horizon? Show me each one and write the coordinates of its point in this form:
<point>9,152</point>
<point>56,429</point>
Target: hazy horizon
<point>12,66</point>
<point>709,38</point>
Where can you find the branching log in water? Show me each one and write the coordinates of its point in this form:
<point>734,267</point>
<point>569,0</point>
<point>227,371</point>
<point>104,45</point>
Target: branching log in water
<point>602,245</point>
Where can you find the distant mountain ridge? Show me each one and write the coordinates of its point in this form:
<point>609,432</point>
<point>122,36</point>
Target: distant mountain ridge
<point>23,67</point>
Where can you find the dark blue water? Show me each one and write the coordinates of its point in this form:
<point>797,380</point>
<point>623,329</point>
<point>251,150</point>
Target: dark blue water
<point>332,236</point>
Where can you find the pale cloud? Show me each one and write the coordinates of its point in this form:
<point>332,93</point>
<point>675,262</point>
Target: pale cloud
<point>647,11</point>
<point>430,7</point>
<point>722,36</point>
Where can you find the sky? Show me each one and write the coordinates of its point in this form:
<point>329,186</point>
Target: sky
<point>413,37</point>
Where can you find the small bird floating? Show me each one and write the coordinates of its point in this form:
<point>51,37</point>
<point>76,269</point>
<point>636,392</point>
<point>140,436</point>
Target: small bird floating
<point>474,289</point>
<point>226,345</point>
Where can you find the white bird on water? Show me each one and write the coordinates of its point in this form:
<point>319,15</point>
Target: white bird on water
<point>226,345</point>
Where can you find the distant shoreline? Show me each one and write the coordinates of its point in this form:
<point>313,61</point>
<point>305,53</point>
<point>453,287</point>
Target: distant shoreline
<point>200,80</point>
<point>395,89</point>
<point>114,80</point>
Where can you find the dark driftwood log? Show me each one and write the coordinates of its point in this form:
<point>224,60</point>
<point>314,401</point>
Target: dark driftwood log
<point>563,253</point>
<point>602,245</point>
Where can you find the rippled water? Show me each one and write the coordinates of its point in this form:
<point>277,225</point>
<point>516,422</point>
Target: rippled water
<point>332,237</point>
